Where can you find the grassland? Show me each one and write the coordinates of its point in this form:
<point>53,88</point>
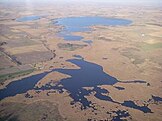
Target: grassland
<point>132,52</point>
<point>149,47</point>
<point>25,112</point>
<point>14,75</point>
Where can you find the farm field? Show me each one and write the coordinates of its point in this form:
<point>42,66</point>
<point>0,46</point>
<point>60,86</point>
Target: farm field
<point>84,61</point>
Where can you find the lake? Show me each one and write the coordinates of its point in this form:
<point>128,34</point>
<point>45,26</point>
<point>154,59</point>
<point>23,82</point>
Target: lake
<point>83,24</point>
<point>89,75</point>
<point>28,18</point>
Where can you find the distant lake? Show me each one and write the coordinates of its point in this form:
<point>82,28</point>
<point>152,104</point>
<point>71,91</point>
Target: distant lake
<point>28,18</point>
<point>83,24</point>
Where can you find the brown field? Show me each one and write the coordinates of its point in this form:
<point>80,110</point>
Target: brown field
<point>127,53</point>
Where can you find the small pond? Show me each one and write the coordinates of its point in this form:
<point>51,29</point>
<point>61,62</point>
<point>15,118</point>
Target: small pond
<point>28,18</point>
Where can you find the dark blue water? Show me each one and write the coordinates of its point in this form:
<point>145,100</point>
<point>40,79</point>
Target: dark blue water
<point>156,98</point>
<point>119,88</point>
<point>28,18</point>
<point>119,115</point>
<point>21,86</point>
<point>131,104</point>
<point>83,24</point>
<point>88,41</point>
<point>72,37</point>
<point>78,56</point>
<point>135,81</point>
<point>88,75</point>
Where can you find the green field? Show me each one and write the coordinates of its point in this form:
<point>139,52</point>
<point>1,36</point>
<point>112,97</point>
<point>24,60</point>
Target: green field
<point>13,75</point>
<point>148,47</point>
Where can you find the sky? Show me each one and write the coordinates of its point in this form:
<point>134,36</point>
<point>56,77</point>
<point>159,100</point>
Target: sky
<point>158,2</point>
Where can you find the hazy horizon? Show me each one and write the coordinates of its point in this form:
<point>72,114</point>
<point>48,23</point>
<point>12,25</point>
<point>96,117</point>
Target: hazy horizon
<point>142,2</point>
